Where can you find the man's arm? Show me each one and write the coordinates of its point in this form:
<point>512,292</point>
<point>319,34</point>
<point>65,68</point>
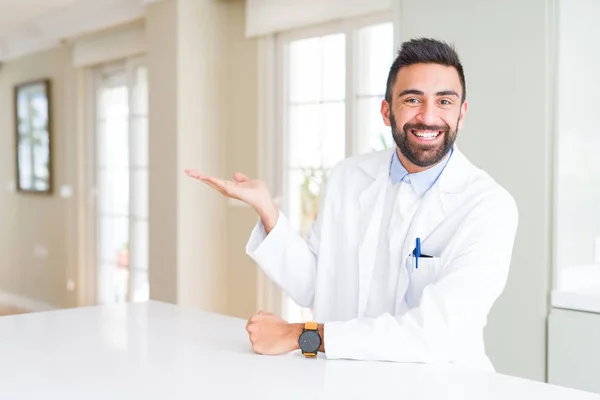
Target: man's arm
<point>452,310</point>
<point>283,254</point>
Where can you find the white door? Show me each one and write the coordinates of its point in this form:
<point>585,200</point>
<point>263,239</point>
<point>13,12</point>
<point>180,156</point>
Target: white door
<point>120,176</point>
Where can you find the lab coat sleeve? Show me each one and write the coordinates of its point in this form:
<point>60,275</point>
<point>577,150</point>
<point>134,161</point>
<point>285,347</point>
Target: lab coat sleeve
<point>286,258</point>
<point>452,310</point>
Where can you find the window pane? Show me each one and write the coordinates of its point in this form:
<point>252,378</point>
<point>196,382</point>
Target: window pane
<point>113,142</point>
<point>139,247</point>
<point>113,191</point>
<point>113,101</point>
<point>317,135</point>
<point>303,139</point>
<point>333,133</point>
<point>113,283</point>
<point>25,161</point>
<point>334,67</point>
<point>303,189</point>
<point>114,240</point>
<point>304,70</point>
<point>140,193</point>
<point>373,134</point>
<point>293,190</point>
<point>375,56</point>
<point>141,287</point>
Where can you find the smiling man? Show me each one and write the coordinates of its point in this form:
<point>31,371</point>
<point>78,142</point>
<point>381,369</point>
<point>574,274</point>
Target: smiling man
<point>411,246</point>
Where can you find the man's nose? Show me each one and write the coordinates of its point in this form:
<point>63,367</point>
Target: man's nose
<point>428,114</point>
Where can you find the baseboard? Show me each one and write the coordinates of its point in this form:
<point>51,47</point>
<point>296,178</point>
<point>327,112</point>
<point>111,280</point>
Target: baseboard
<point>24,303</point>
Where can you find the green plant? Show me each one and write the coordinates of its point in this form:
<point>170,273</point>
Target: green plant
<point>313,181</point>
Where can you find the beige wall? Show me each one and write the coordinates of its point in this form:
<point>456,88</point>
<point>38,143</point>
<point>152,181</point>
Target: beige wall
<point>161,34</point>
<point>242,150</point>
<point>29,220</point>
<point>202,134</point>
<point>202,115</point>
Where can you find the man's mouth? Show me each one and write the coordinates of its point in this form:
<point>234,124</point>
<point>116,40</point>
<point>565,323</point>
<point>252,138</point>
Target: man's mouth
<point>426,134</point>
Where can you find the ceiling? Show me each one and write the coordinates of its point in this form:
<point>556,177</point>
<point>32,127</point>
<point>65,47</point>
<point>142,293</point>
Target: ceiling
<point>28,26</point>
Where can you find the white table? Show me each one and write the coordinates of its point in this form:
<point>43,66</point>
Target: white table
<point>158,351</point>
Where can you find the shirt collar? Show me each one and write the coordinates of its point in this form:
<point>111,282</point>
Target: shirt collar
<point>420,181</point>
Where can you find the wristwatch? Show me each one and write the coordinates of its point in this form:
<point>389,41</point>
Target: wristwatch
<point>310,340</point>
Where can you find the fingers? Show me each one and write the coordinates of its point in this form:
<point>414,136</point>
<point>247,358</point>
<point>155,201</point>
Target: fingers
<point>195,174</point>
<point>211,180</point>
<point>263,312</point>
<point>220,185</point>
<point>254,322</point>
<point>250,324</point>
<point>251,328</point>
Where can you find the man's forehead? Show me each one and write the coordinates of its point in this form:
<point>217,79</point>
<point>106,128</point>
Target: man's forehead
<point>427,77</point>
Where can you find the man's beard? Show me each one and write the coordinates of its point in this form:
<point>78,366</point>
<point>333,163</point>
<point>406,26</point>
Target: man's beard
<point>423,155</point>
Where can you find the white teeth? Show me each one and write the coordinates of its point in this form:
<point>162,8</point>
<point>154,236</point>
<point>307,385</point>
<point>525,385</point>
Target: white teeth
<point>426,134</point>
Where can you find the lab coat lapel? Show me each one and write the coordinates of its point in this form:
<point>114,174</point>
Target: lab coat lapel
<point>445,195</point>
<point>371,201</point>
<point>429,215</point>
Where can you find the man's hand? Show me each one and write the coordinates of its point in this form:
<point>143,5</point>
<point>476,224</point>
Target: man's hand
<point>253,192</point>
<point>270,334</point>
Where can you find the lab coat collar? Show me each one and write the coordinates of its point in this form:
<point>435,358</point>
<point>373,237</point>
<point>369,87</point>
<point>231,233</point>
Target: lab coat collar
<point>453,179</point>
<point>456,175</point>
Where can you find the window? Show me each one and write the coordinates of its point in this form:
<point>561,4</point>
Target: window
<point>332,85</point>
<point>121,181</point>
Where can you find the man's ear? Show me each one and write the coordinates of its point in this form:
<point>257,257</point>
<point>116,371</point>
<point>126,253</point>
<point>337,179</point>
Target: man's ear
<point>461,117</point>
<point>385,112</point>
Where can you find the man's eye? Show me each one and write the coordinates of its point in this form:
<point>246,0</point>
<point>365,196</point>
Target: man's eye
<point>445,102</point>
<point>411,100</point>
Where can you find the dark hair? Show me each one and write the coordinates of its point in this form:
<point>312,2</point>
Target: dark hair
<point>426,51</point>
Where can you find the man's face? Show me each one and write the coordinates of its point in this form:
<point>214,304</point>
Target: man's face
<point>425,113</point>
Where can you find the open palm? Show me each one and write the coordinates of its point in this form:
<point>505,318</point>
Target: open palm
<point>251,191</point>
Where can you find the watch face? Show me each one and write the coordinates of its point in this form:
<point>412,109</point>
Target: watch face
<point>309,341</point>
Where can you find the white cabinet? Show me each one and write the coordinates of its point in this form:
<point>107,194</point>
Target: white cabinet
<point>574,349</point>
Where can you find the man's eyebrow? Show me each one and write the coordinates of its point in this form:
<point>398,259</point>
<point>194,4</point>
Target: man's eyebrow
<point>410,91</point>
<point>447,93</point>
<point>420,93</point>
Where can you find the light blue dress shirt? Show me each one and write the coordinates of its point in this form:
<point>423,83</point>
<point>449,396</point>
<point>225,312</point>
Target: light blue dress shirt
<point>420,181</point>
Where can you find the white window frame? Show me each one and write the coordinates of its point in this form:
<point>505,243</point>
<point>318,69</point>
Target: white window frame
<point>347,27</point>
<point>272,120</point>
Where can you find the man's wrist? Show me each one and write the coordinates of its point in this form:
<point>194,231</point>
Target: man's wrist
<point>268,215</point>
<point>296,330</point>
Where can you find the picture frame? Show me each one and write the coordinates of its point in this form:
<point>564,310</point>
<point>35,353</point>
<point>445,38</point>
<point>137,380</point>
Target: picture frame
<point>33,136</point>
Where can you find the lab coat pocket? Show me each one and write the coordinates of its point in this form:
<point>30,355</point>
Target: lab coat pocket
<point>420,276</point>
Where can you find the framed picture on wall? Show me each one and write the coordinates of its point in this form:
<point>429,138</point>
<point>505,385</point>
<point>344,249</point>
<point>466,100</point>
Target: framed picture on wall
<point>33,133</point>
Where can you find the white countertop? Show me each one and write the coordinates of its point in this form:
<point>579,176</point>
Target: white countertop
<point>157,351</point>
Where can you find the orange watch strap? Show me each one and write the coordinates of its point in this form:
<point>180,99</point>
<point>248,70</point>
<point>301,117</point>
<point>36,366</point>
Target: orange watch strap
<point>311,326</point>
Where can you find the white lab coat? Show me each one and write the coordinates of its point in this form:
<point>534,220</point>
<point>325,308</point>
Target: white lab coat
<point>466,222</point>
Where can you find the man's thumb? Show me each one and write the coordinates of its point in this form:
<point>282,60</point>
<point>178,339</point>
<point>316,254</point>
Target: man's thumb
<point>239,177</point>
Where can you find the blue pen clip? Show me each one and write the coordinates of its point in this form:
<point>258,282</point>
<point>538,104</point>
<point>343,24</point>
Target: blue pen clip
<point>417,253</point>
